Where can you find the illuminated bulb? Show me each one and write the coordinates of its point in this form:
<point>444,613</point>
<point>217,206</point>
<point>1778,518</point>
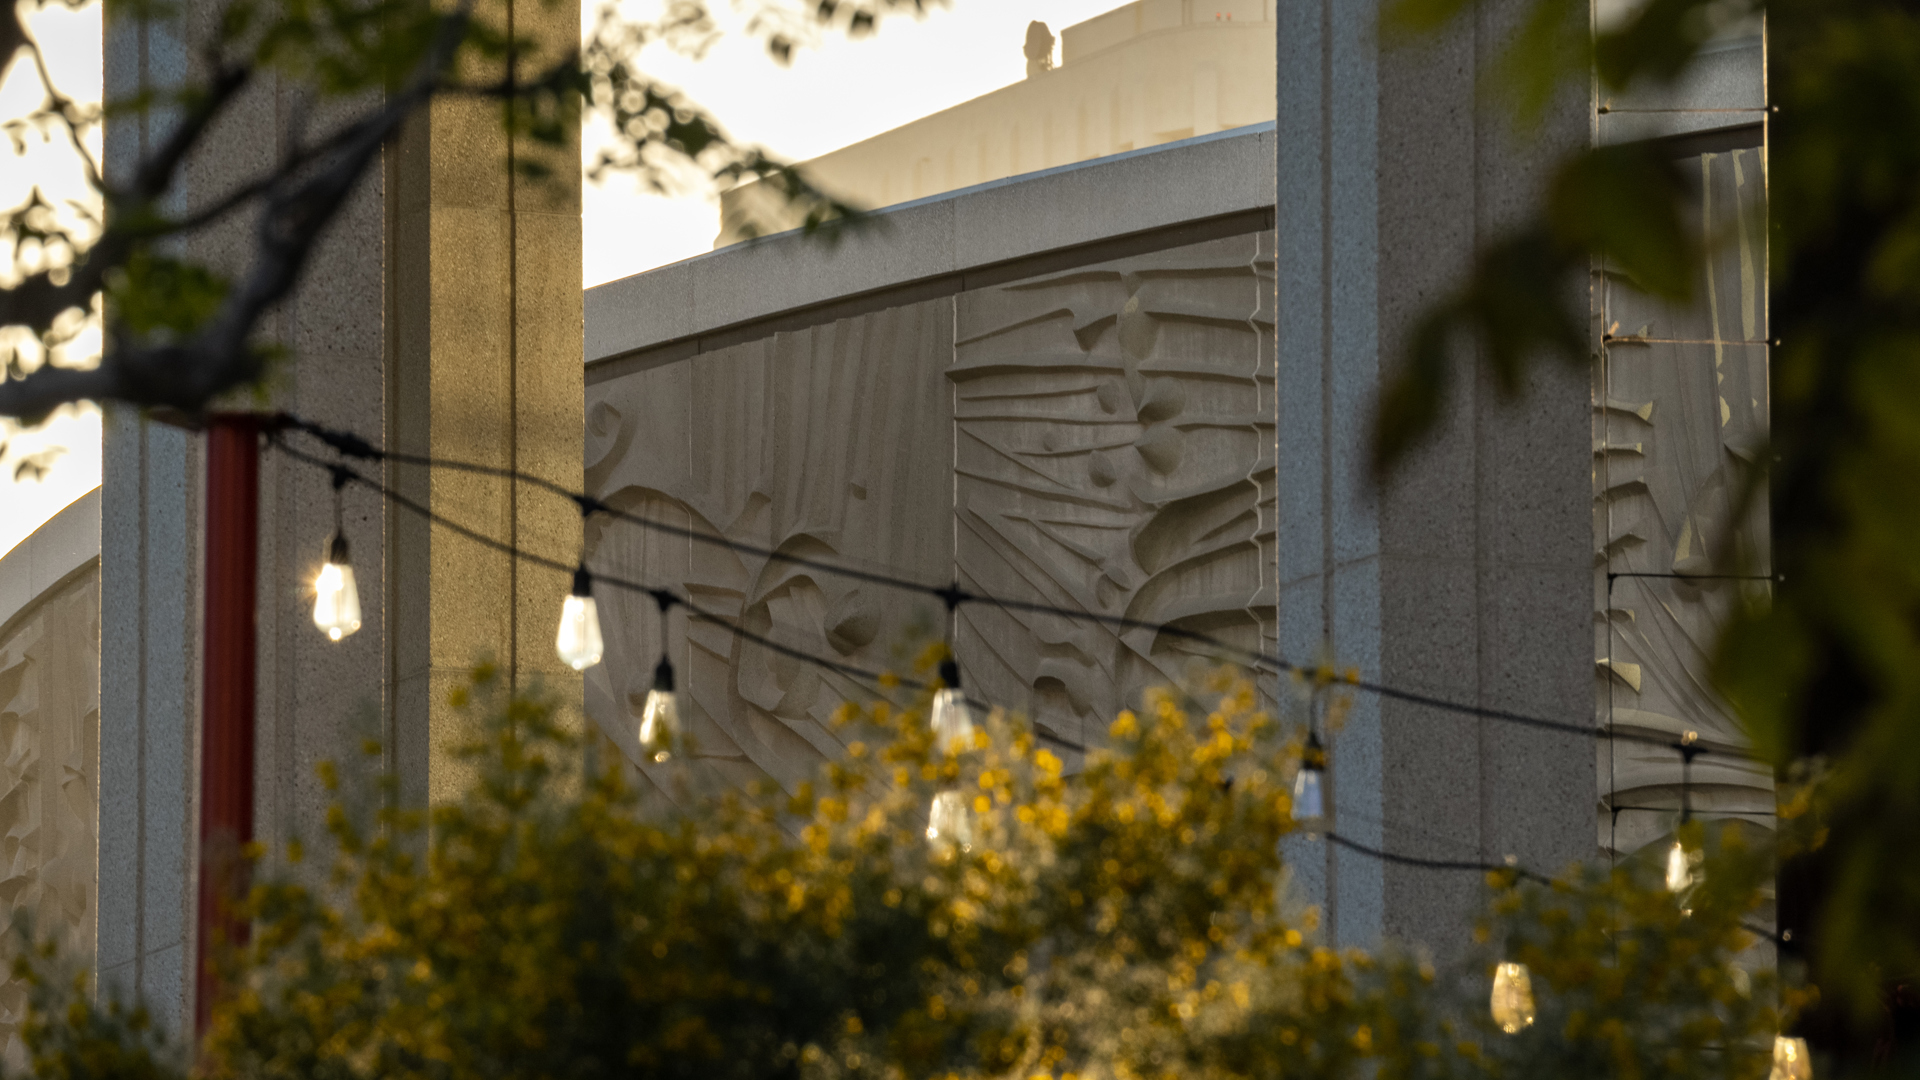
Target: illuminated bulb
<point>1512,1001</point>
<point>336,601</point>
<point>1308,802</point>
<point>660,721</point>
<point>1790,1060</point>
<point>952,716</point>
<point>1679,869</point>
<point>949,820</point>
<point>579,643</point>
<point>952,722</point>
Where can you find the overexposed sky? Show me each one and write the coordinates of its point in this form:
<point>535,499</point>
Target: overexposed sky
<point>72,41</point>
<point>838,93</point>
<point>835,92</point>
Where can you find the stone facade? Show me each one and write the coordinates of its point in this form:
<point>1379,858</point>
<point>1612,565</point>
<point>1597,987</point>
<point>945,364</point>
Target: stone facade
<point>1096,438</point>
<point>49,744</point>
<point>1680,415</point>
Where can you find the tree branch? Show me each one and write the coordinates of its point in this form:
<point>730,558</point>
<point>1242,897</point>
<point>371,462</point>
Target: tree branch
<point>221,356</point>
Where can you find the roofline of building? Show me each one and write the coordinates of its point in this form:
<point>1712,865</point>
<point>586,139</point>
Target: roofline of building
<point>1142,200</point>
<point>68,542</point>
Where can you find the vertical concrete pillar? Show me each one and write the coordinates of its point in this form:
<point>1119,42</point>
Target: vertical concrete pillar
<point>1468,575</point>
<point>485,338</point>
<point>441,314</point>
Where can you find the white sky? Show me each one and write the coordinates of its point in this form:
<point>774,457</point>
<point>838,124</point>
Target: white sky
<point>840,93</point>
<point>837,93</point>
<point>72,41</point>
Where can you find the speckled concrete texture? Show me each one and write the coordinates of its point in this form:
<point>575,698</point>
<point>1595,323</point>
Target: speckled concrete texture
<point>441,314</point>
<point>1462,576</point>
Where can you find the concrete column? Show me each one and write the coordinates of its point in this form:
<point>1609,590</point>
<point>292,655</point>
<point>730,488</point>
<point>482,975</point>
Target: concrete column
<point>1468,575</point>
<point>440,314</point>
<point>485,336</point>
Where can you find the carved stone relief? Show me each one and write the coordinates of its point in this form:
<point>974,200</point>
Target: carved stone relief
<point>1115,454</point>
<point>831,443</point>
<point>1680,414</point>
<point>49,735</point>
<point>1100,439</point>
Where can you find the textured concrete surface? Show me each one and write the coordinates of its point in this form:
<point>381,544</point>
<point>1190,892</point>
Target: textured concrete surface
<point>952,233</point>
<point>441,313</point>
<point>1390,172</point>
<point>50,698</point>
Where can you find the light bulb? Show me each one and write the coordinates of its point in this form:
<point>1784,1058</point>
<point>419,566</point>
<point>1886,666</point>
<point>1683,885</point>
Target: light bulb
<point>1679,869</point>
<point>949,820</point>
<point>579,643</point>
<point>1790,1060</point>
<point>1512,1001</point>
<point>336,600</point>
<point>660,721</point>
<point>952,721</point>
<point>1308,802</point>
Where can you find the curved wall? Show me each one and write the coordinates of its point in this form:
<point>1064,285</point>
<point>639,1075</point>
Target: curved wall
<point>49,740</point>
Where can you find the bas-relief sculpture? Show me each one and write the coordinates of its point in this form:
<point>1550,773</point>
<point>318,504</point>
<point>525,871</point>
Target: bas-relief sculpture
<point>49,733</point>
<point>1680,417</point>
<point>830,443</point>
<point>1115,455</point>
<point>1099,439</point>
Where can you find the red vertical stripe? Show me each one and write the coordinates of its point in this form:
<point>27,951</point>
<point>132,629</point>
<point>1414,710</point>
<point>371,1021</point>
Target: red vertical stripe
<point>226,739</point>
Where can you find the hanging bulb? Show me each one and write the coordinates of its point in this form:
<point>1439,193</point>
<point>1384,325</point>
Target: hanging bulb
<point>660,722</point>
<point>1790,1060</point>
<point>1512,1002</point>
<point>949,820</point>
<point>952,716</point>
<point>336,600</point>
<point>1308,802</point>
<point>579,642</point>
<point>1679,869</point>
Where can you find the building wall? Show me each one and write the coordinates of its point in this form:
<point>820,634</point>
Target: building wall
<point>1680,407</point>
<point>1145,74</point>
<point>1095,437</point>
<point>50,736</point>
<point>439,314</point>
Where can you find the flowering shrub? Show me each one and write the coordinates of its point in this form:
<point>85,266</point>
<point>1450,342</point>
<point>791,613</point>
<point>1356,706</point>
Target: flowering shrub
<point>1130,920</point>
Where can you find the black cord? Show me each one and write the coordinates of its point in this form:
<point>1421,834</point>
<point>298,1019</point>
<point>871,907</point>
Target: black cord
<point>694,611</point>
<point>351,445</point>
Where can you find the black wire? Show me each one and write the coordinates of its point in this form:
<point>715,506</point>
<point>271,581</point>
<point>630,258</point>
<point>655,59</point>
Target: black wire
<point>952,594</point>
<point>351,445</point>
<point>694,611</point>
<point>1433,864</point>
<point>1483,867</point>
<point>869,679</point>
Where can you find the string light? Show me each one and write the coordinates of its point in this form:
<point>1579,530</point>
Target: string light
<point>336,599</point>
<point>1680,876</point>
<point>1309,798</point>
<point>949,821</point>
<point>952,719</point>
<point>1790,1059</point>
<point>579,642</point>
<point>1512,1000</point>
<point>354,446</point>
<point>1309,804</point>
<point>660,720</point>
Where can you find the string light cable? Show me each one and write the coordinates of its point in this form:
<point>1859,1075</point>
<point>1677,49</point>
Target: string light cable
<point>952,825</point>
<point>869,679</point>
<point>352,445</point>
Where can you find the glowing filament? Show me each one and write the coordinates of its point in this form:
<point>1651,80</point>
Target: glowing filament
<point>949,820</point>
<point>660,724</point>
<point>336,601</point>
<point>1790,1060</point>
<point>1512,1001</point>
<point>952,721</point>
<point>579,643</point>
<point>1679,869</point>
